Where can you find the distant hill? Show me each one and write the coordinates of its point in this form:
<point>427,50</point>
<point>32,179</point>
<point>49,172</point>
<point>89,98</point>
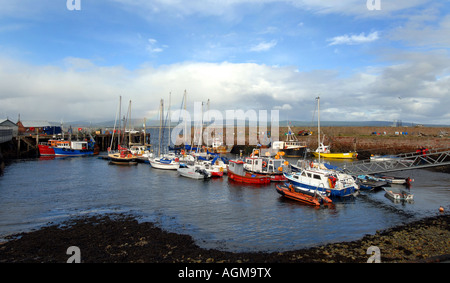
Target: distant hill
<point>138,123</point>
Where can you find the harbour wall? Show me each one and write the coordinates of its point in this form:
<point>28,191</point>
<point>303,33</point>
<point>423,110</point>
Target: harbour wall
<point>364,140</point>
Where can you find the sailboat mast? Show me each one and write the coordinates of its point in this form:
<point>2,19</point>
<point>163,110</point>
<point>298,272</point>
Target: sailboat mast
<point>318,124</point>
<point>161,109</point>
<point>185,122</point>
<point>168,110</point>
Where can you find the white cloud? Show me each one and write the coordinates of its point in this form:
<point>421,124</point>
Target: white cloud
<point>354,39</point>
<point>79,89</point>
<point>264,46</point>
<point>153,47</point>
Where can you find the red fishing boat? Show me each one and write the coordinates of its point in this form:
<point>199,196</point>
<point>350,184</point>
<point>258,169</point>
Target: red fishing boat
<point>262,163</point>
<point>297,194</point>
<point>237,173</point>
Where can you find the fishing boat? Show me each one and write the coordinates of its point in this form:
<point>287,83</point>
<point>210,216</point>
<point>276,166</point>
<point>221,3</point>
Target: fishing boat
<point>397,195</point>
<point>292,192</point>
<point>74,148</point>
<point>237,173</point>
<point>292,147</point>
<point>315,176</point>
<point>194,172</point>
<point>266,165</point>
<point>46,149</point>
<point>217,146</point>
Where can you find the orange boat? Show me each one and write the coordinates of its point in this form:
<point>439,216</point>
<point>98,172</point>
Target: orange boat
<point>295,194</point>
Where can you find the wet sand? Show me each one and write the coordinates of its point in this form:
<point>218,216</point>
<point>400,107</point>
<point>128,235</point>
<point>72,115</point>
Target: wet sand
<point>122,239</point>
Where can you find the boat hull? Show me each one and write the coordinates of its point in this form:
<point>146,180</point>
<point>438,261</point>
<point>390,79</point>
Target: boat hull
<point>72,152</point>
<point>46,150</point>
<point>122,160</point>
<point>187,172</point>
<point>248,178</point>
<point>334,192</point>
<point>164,166</point>
<point>398,195</point>
<point>347,155</point>
<point>273,177</point>
<point>294,152</point>
<point>300,197</point>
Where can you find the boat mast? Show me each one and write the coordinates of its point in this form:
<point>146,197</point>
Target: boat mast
<point>207,128</point>
<point>161,110</point>
<point>185,122</point>
<point>318,124</point>
<point>115,123</point>
<point>168,113</point>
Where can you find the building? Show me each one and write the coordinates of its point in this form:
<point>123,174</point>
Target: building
<point>32,127</point>
<point>8,124</point>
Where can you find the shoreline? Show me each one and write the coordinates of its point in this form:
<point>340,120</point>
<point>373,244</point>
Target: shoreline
<point>120,238</point>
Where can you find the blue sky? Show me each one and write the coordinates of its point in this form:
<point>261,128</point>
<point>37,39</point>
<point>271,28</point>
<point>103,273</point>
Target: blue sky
<point>388,64</point>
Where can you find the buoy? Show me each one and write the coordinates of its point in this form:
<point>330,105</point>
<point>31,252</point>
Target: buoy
<point>441,209</point>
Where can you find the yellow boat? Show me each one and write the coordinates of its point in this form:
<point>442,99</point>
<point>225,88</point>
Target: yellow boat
<point>347,155</point>
<point>325,153</point>
<point>323,150</point>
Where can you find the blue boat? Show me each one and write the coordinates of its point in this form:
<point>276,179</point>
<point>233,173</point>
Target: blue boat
<point>317,177</point>
<point>74,148</point>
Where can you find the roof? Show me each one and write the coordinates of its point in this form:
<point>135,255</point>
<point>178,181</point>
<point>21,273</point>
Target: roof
<point>7,123</point>
<point>35,124</point>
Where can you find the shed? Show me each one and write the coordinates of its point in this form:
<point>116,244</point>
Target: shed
<point>6,123</point>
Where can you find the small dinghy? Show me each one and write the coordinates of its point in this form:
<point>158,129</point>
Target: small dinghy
<point>367,182</point>
<point>398,194</point>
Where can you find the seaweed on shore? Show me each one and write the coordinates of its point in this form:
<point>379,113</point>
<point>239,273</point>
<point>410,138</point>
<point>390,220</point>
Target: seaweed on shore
<point>121,238</point>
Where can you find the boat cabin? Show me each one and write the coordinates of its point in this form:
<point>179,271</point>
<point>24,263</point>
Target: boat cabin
<point>312,178</point>
<point>237,167</point>
<point>263,165</point>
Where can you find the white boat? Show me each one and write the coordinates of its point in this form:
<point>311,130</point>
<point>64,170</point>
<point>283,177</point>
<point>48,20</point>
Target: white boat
<point>141,152</point>
<point>164,163</point>
<point>315,176</point>
<point>194,172</point>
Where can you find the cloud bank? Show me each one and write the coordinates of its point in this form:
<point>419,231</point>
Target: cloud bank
<point>416,89</point>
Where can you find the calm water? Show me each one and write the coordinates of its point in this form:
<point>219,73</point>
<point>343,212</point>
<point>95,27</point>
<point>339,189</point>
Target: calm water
<point>217,213</point>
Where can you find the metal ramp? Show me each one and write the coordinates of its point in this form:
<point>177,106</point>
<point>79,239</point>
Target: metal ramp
<point>405,161</point>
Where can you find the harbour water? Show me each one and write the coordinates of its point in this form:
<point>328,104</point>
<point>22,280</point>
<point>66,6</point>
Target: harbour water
<point>217,213</point>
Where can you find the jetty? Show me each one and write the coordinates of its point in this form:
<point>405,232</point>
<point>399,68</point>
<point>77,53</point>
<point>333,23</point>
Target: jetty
<point>400,162</point>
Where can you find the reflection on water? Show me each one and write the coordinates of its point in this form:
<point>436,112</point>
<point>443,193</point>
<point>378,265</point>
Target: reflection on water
<point>217,213</point>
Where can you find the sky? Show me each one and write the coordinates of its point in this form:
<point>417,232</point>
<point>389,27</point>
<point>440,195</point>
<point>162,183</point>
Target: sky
<point>380,60</point>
